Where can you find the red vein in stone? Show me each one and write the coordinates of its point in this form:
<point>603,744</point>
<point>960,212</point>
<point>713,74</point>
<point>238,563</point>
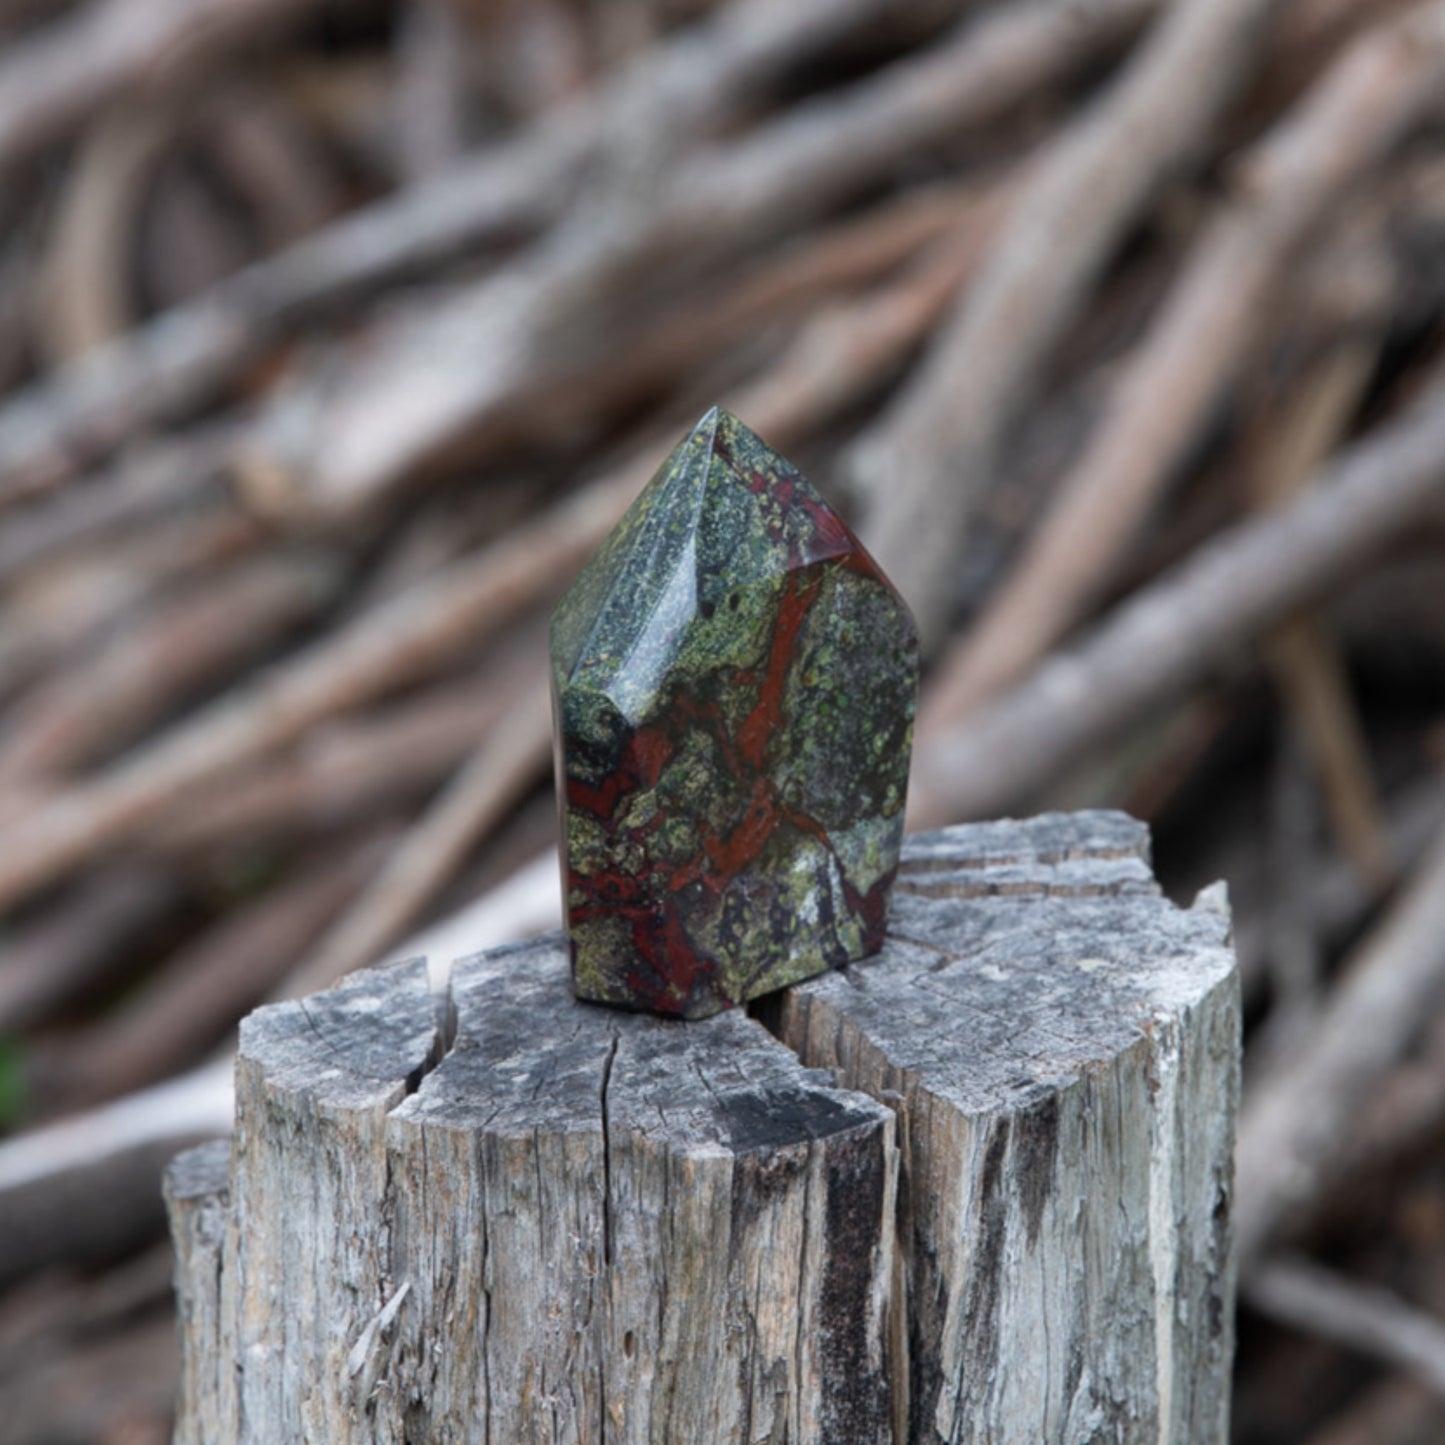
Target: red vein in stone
<point>767,714</point>
<point>647,753</point>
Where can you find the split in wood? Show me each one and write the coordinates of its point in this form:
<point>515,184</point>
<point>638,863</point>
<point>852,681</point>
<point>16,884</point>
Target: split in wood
<point>712,1213</point>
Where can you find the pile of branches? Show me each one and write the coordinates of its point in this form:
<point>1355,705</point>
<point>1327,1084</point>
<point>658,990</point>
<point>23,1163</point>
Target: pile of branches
<point>333,338</point>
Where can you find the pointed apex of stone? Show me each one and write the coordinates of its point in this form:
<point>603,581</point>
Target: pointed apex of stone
<point>711,419</point>
<point>719,434</point>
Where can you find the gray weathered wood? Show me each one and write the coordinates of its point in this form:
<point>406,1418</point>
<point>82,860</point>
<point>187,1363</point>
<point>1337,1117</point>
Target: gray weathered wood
<point>198,1199</point>
<point>1061,1045</point>
<point>980,1190</point>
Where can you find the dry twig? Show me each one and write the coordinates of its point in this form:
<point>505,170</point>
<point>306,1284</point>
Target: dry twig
<point>161,660</point>
<point>53,83</point>
<point>1307,664</point>
<point>341,774</point>
<point>142,488</point>
<point>199,993</point>
<point>447,376</point>
<point>1400,1411</point>
<point>687,85</point>
<point>402,637</point>
<point>1372,1321</point>
<point>79,943</point>
<point>84,298</point>
<point>395,642</point>
<point>1291,1127</point>
<point>926,463</point>
<point>1173,631</point>
<point>1216,312</point>
<point>505,766</point>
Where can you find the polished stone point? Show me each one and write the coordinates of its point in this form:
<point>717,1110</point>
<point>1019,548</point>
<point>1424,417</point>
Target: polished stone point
<point>733,692</point>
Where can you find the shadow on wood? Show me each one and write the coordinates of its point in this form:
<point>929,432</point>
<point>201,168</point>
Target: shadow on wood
<point>976,1188</point>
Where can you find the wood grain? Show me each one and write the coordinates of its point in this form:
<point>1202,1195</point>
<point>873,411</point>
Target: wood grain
<point>978,1189</point>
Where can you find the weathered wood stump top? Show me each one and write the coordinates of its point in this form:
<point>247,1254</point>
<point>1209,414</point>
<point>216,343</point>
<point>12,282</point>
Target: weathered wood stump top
<point>974,1188</point>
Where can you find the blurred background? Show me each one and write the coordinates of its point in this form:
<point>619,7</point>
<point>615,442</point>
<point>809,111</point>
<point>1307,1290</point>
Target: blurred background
<point>334,337</point>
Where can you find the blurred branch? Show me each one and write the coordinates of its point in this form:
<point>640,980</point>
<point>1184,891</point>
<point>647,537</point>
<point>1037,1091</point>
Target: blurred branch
<point>1303,656</point>
<point>1295,958</point>
<point>431,56</point>
<point>847,350</point>
<point>78,943</point>
<point>1171,632</point>
<point>1374,1322</point>
<point>1400,1411</point>
<point>926,462</point>
<point>150,484</point>
<point>403,636</point>
<point>87,1189</point>
<point>1215,313</point>
<point>394,642</point>
<point>684,86</point>
<point>1399,1117</point>
<point>52,83</point>
<point>365,427</point>
<point>190,638</point>
<point>342,773</point>
<point>76,605</point>
<point>1339,898</point>
<point>508,762</point>
<point>1292,1126</point>
<point>184,1007</point>
<point>84,297</point>
<point>835,259</point>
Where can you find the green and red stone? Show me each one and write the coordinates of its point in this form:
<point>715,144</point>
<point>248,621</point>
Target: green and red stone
<point>733,691</point>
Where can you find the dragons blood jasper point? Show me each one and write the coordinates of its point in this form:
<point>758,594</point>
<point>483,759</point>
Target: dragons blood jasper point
<point>734,683</point>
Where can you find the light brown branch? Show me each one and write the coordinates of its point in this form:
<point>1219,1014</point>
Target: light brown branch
<point>85,297</point>
<point>509,761</point>
<point>690,83</point>
<point>63,608</point>
<point>846,351</point>
<point>394,642</point>
<point>1170,633</point>
<point>1339,899</point>
<point>431,48</point>
<point>77,944</point>
<point>402,637</point>
<point>925,464</point>
<point>1400,1411</point>
<point>1293,1125</point>
<point>1307,664</point>
<point>55,81</point>
<point>158,662</point>
<point>152,483</point>
<point>353,437</point>
<point>344,772</point>
<point>1303,169</point>
<point>189,1003</point>
<point>1372,1321</point>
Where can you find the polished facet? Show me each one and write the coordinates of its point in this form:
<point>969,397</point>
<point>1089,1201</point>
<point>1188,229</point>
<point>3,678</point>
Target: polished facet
<point>734,684</point>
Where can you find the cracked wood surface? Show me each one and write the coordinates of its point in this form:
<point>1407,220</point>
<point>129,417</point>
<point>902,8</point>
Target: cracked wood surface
<point>975,1188</point>
<point>1061,1046</point>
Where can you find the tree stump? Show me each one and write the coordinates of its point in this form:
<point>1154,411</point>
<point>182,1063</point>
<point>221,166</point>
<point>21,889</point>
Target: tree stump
<point>976,1188</point>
